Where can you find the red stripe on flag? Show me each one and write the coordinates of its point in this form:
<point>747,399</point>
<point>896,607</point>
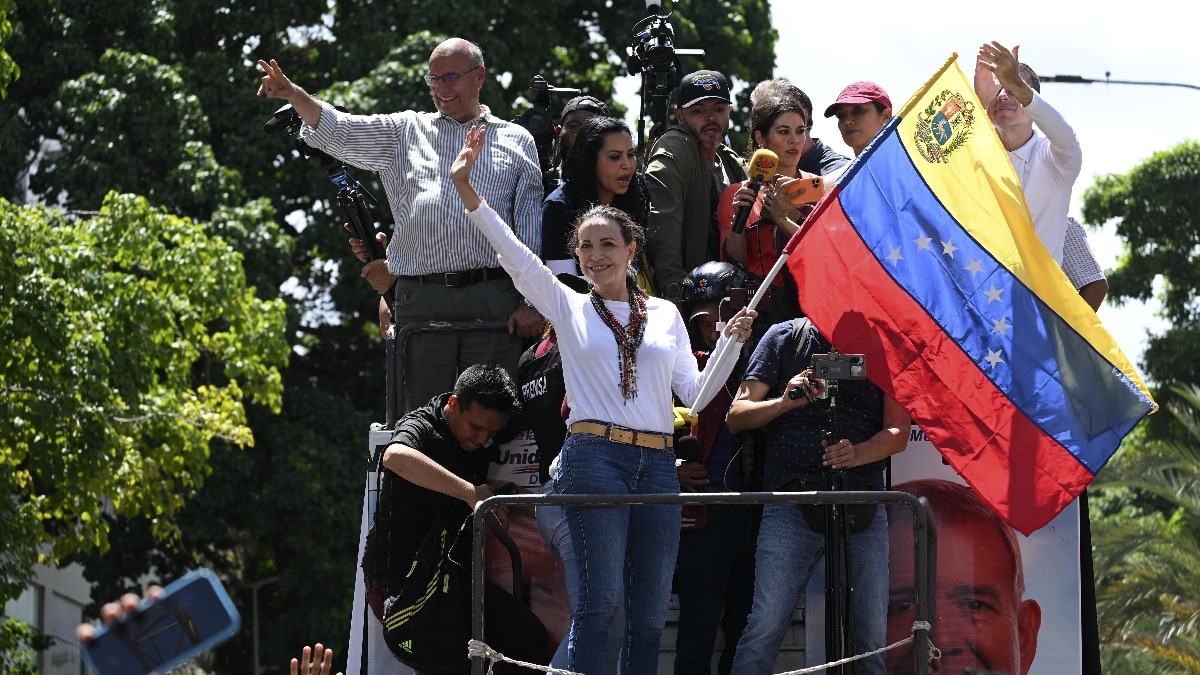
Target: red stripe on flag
<point>1025,475</point>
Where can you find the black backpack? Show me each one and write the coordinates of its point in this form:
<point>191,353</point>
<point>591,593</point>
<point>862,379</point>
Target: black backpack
<point>428,624</point>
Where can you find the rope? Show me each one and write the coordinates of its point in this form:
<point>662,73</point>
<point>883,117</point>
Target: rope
<point>917,625</point>
<point>477,648</point>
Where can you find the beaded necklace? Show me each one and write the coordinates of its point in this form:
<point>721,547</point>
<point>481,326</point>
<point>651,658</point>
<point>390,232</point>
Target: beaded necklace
<point>628,339</point>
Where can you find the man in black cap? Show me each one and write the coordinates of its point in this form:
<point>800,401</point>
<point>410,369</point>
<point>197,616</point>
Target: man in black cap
<point>688,169</point>
<point>577,111</point>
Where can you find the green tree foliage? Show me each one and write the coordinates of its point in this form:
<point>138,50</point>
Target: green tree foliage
<point>132,343</point>
<point>155,98</point>
<point>112,135</point>
<point>19,645</point>
<point>1157,210</point>
<point>9,70</point>
<point>1148,551</point>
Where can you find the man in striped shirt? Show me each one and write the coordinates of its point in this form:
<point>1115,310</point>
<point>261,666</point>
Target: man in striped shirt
<point>440,266</point>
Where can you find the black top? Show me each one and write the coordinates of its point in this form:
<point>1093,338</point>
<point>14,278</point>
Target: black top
<point>821,160</point>
<point>406,512</point>
<point>563,205</point>
<point>540,379</point>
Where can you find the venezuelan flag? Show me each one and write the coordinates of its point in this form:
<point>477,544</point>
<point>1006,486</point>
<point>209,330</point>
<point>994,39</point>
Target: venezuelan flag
<point>923,257</point>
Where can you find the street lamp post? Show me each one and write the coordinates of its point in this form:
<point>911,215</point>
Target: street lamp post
<point>1078,79</point>
<point>254,586</point>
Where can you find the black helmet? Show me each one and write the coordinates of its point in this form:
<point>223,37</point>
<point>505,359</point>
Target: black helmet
<point>711,281</point>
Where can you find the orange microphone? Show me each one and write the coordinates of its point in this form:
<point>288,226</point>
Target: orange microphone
<point>762,169</point>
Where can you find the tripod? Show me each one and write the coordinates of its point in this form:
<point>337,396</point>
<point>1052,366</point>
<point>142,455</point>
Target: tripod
<point>839,589</point>
<point>538,121</point>
<point>654,56</point>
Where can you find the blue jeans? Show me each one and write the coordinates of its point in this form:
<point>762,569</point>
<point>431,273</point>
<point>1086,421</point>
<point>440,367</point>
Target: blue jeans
<point>787,551</point>
<point>552,523</point>
<point>626,554</point>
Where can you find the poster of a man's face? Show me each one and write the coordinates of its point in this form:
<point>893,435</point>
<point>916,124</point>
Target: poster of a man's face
<point>1006,604</point>
<point>983,622</point>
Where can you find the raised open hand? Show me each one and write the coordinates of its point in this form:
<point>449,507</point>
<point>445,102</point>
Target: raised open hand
<point>460,171</point>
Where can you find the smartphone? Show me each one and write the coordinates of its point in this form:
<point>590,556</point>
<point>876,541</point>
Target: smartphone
<point>193,615</point>
<point>806,191</point>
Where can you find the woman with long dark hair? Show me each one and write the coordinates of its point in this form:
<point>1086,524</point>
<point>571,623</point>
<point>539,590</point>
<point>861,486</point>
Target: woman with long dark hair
<point>601,168</point>
<point>624,354</point>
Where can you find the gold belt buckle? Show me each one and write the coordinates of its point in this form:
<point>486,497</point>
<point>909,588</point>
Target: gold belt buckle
<point>621,435</point>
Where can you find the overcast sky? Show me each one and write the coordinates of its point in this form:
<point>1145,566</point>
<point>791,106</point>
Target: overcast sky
<point>823,46</point>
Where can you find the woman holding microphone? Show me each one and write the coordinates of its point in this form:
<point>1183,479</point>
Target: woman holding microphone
<point>781,122</point>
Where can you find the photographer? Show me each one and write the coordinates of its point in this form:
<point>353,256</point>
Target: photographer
<point>440,267</point>
<point>870,427</point>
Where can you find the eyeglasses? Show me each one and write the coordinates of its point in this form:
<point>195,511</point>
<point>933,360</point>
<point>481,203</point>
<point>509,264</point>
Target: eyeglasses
<point>450,79</point>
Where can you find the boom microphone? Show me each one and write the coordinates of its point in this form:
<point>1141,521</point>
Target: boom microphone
<point>762,169</point>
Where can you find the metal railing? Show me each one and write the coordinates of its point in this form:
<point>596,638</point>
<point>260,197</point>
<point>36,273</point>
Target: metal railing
<point>924,542</point>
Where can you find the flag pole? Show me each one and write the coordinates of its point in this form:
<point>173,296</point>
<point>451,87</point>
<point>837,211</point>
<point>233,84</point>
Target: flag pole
<point>726,349</point>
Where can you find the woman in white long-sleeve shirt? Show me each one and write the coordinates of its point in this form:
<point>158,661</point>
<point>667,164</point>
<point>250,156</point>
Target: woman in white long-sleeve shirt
<point>624,354</point>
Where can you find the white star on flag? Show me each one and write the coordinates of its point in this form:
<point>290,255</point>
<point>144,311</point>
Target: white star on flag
<point>1001,326</point>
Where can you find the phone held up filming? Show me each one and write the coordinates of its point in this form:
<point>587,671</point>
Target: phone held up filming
<point>807,190</point>
<point>833,367</point>
<point>193,615</point>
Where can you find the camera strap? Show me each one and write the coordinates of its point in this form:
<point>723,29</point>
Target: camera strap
<point>799,343</point>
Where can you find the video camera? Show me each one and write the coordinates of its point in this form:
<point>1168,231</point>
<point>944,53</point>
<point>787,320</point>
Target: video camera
<point>654,56</point>
<point>354,199</point>
<point>540,123</point>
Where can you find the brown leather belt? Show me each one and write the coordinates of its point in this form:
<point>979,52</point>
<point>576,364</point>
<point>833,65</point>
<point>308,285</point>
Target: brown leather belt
<point>644,439</point>
<point>460,279</point>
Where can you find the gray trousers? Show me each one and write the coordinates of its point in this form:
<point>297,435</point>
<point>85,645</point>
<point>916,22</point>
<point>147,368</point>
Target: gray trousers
<point>434,359</point>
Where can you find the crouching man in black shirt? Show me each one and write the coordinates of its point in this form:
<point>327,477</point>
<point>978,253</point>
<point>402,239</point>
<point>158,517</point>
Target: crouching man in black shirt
<point>435,473</point>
